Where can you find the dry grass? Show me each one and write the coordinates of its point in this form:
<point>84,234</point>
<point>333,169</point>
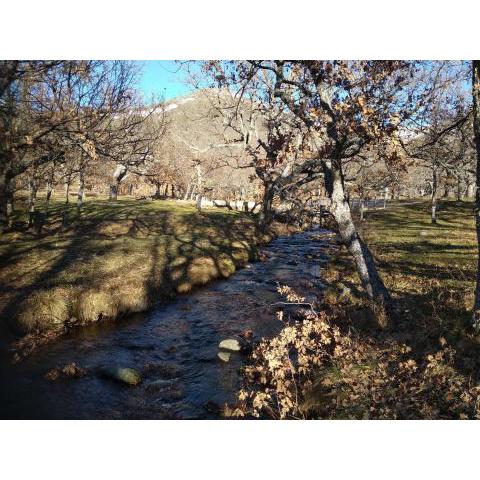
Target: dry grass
<point>340,364</point>
<point>114,258</point>
<point>430,269</point>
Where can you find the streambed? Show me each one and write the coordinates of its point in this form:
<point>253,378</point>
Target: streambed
<point>174,346</point>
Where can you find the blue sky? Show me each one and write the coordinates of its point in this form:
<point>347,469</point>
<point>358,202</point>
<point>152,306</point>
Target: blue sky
<point>162,78</point>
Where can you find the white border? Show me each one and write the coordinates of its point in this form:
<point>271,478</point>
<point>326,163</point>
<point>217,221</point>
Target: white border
<point>202,29</point>
<point>166,30</point>
<point>232,450</point>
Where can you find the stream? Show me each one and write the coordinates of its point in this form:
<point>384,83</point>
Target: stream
<point>173,346</point>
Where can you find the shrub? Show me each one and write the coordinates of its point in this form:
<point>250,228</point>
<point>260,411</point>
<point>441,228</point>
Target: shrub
<point>313,369</point>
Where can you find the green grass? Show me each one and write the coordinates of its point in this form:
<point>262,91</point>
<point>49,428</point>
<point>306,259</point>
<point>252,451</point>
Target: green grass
<point>429,268</point>
<point>410,244</point>
<point>339,363</point>
<point>114,258</point>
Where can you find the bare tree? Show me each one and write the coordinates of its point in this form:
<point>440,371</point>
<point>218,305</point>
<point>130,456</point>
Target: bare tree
<point>267,136</point>
<point>51,108</point>
<point>476,131</point>
<point>345,106</point>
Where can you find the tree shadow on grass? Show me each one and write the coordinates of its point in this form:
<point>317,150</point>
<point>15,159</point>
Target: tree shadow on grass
<point>431,277</point>
<point>426,320</point>
<point>112,259</point>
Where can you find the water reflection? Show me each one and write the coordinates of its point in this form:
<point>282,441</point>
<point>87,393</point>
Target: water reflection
<point>176,344</point>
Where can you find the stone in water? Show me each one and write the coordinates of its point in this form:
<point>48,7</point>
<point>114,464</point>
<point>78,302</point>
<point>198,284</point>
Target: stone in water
<point>224,356</point>
<point>230,344</point>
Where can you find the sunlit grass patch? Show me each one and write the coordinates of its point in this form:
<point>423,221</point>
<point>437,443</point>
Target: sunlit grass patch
<point>113,258</point>
<point>340,364</point>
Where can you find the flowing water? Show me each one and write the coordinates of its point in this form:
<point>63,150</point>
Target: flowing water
<point>174,347</point>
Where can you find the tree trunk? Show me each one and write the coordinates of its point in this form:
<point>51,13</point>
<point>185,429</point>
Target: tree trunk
<point>364,261</point>
<point>4,214</point>
<point>476,130</point>
<point>32,197</point>
<point>320,208</point>
<point>118,175</point>
<point>471,190</point>
<point>7,188</point>
<point>157,190</point>
<point>459,189</point>
<point>434,196</point>
<point>10,204</point>
<point>266,213</point>
<point>199,202</point>
<point>187,192</point>
<point>49,186</point>
<point>113,191</point>
<point>81,190</point>
<point>67,191</point>
<point>48,194</point>
<point>198,169</point>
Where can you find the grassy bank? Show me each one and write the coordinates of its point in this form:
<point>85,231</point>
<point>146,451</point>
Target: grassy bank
<point>429,268</point>
<point>424,364</point>
<point>114,258</point>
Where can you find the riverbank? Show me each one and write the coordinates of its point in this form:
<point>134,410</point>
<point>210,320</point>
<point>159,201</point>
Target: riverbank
<point>111,259</point>
<point>176,353</point>
<point>424,364</point>
<point>430,269</point>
